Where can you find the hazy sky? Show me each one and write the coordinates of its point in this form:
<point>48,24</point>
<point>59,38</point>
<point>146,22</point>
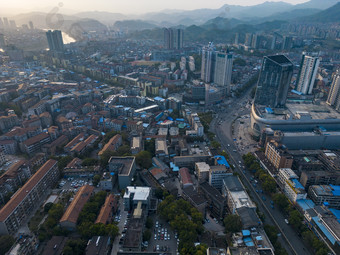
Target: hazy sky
<point>122,6</point>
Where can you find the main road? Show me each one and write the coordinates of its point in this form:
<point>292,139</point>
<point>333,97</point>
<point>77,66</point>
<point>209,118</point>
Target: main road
<point>222,127</point>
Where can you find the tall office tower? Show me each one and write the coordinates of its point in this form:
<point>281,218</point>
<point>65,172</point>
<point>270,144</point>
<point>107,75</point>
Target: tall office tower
<point>254,41</point>
<point>274,81</point>
<point>248,39</point>
<point>6,24</point>
<point>168,38</point>
<point>237,35</point>
<point>178,39</point>
<point>334,94</point>
<point>272,46</point>
<point>307,74</point>
<point>2,41</point>
<point>287,43</point>
<point>223,69</point>
<point>55,40</point>
<point>30,24</point>
<point>208,62</point>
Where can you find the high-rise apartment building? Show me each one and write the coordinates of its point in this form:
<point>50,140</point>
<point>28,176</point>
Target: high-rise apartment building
<point>173,38</point>
<point>178,39</point>
<point>216,66</point>
<point>223,69</point>
<point>55,40</point>
<point>208,61</point>
<point>334,93</point>
<point>168,38</point>
<point>308,71</point>
<point>287,43</point>
<point>274,81</point>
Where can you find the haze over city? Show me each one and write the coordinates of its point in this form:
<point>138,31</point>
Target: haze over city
<point>170,127</point>
<point>125,7</point>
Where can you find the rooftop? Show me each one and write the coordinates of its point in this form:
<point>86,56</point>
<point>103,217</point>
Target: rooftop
<point>122,164</point>
<point>185,175</point>
<point>77,204</point>
<point>106,209</point>
<point>140,193</point>
<point>295,111</point>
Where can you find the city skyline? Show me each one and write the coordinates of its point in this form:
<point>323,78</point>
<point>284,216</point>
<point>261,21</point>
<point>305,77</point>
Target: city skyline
<point>140,7</point>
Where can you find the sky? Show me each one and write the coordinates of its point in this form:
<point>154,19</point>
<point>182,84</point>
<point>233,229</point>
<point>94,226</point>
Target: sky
<point>121,6</point>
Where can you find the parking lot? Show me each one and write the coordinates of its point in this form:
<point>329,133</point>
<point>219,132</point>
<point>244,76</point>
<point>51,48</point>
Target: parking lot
<point>73,184</point>
<point>163,239</point>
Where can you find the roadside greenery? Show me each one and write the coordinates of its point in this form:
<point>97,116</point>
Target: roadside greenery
<point>295,218</point>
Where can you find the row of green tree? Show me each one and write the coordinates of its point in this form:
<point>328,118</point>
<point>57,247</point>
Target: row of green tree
<point>268,182</point>
<point>186,220</point>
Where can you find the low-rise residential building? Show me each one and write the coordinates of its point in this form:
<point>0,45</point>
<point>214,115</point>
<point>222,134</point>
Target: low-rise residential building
<point>277,155</point>
<point>185,177</point>
<point>216,202</point>
<point>293,189</point>
<point>217,174</point>
<point>136,145</point>
<point>108,209</point>
<point>328,195</point>
<point>14,177</point>
<point>112,145</point>
<point>235,194</point>
<point>134,195</point>
<point>70,217</point>
<point>35,143</point>
<point>202,170</point>
<point>14,213</point>
<point>124,168</point>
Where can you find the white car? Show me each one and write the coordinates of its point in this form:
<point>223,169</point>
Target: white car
<point>287,222</point>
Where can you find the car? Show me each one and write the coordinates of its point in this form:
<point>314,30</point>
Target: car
<point>155,237</point>
<point>157,247</point>
<point>287,222</point>
<point>263,198</point>
<point>272,206</point>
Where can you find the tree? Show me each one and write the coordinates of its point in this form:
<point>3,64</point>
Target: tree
<point>281,201</point>
<point>215,144</point>
<point>149,145</point>
<point>96,180</point>
<point>232,223</point>
<point>62,163</point>
<point>269,185</point>
<point>295,218</point>
<point>74,247</point>
<point>89,162</point>
<point>47,207</point>
<point>149,223</point>
<point>159,193</point>
<point>6,243</point>
<point>146,235</point>
<point>144,159</point>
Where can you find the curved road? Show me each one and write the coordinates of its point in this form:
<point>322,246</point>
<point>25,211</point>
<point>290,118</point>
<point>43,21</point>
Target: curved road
<point>289,239</point>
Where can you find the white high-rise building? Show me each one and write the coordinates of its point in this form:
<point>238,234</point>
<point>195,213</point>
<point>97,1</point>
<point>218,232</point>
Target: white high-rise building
<point>307,74</point>
<point>223,69</point>
<point>216,67</point>
<point>334,93</point>
<point>207,62</point>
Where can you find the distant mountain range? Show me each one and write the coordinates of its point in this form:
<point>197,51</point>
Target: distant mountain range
<point>228,18</point>
<point>331,14</point>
